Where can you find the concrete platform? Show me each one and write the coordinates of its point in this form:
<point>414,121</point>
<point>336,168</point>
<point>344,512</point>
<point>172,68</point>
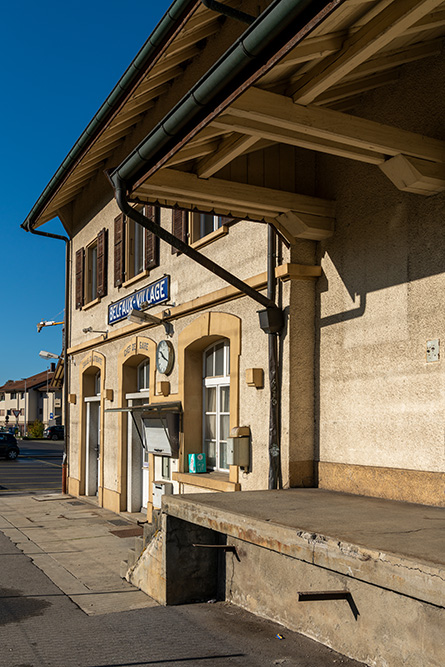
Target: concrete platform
<point>78,545</point>
<point>373,570</point>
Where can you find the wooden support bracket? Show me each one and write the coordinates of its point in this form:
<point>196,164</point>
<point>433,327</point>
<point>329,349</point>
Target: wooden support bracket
<point>410,174</point>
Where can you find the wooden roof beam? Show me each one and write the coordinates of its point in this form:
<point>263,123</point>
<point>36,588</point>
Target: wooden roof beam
<point>392,59</point>
<point>353,88</point>
<point>366,42</point>
<point>228,150</point>
<point>293,214</point>
<point>193,152</point>
<point>277,111</point>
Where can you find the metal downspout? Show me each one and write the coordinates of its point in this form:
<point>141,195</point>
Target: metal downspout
<point>65,352</point>
<point>152,226</point>
<point>264,36</point>
<point>275,477</point>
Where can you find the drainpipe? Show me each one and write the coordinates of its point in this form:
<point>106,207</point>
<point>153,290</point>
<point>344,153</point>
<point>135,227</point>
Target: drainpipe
<point>275,477</point>
<point>121,198</point>
<point>65,351</point>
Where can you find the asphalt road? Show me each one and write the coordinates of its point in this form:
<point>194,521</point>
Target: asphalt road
<point>38,469</point>
<point>41,627</point>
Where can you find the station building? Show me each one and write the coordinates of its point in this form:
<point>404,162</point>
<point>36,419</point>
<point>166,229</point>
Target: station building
<point>262,194</point>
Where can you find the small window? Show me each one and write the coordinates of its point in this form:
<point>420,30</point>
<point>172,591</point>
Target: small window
<point>144,376</point>
<point>204,224</point>
<point>13,394</point>
<point>2,397</point>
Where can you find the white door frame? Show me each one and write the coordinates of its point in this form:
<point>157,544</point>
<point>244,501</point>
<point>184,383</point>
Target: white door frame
<point>92,439</point>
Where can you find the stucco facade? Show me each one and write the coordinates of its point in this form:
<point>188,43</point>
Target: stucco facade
<point>333,137</point>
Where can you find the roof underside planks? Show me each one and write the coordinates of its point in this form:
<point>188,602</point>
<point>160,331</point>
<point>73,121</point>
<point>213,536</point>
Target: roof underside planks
<point>359,47</point>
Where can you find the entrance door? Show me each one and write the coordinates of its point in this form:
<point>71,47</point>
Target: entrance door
<point>92,466</point>
<point>135,469</point>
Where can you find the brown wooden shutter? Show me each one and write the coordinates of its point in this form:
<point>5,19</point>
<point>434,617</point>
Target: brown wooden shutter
<point>119,250</point>
<point>179,226</point>
<point>151,240</point>
<point>102,263</point>
<point>80,264</point>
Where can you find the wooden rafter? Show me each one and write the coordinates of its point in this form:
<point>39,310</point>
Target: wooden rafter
<point>356,87</point>
<point>366,42</point>
<point>227,151</point>
<point>194,152</point>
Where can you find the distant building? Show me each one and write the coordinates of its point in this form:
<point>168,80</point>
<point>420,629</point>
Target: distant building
<point>23,401</point>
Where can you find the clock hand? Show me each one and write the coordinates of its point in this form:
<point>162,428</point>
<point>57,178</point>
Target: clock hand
<point>163,356</point>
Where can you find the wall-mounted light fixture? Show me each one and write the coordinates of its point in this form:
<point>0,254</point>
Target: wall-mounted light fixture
<point>139,317</point>
<point>91,330</point>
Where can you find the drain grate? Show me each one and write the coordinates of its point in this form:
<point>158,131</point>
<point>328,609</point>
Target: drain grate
<point>77,503</point>
<point>118,522</point>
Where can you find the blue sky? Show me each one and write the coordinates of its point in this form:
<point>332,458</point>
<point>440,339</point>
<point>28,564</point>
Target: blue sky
<point>59,63</point>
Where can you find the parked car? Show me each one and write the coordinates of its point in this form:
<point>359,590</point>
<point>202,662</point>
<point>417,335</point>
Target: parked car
<point>8,446</point>
<point>54,433</point>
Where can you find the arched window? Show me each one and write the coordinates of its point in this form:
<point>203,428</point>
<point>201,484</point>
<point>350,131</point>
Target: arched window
<point>216,410</point>
<point>144,376</point>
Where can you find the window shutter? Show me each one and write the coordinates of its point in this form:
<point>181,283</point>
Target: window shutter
<point>102,263</point>
<point>119,249</point>
<point>80,262</point>
<point>179,226</point>
<point>151,240</point>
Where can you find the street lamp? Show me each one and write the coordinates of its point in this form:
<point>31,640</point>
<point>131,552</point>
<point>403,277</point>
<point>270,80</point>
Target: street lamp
<point>46,323</point>
<point>48,355</point>
<point>25,430</point>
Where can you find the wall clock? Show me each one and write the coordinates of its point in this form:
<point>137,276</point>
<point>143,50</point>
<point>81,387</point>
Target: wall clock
<point>165,356</point>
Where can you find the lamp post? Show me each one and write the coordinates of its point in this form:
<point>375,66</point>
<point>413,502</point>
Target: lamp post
<point>25,430</point>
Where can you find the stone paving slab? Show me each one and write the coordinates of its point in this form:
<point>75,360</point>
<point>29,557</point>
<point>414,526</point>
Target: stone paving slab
<point>75,548</point>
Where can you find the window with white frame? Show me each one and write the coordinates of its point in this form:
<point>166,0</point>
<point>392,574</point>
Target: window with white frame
<point>216,409</point>
<point>144,376</point>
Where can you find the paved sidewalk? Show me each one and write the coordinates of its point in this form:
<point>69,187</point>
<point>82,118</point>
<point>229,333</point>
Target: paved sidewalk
<point>78,545</point>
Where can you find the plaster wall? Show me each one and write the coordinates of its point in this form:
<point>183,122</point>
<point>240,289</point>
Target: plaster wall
<point>381,299</point>
<point>253,402</point>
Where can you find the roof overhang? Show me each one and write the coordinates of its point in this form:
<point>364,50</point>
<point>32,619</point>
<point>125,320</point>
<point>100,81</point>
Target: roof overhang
<point>289,79</point>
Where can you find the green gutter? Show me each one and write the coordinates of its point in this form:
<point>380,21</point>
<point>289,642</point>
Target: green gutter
<point>269,32</point>
<point>166,25</point>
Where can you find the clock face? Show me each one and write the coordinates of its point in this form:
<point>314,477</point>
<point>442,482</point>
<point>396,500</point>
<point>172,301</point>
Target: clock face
<point>165,356</point>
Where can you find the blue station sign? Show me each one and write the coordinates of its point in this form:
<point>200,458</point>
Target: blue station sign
<point>149,296</point>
